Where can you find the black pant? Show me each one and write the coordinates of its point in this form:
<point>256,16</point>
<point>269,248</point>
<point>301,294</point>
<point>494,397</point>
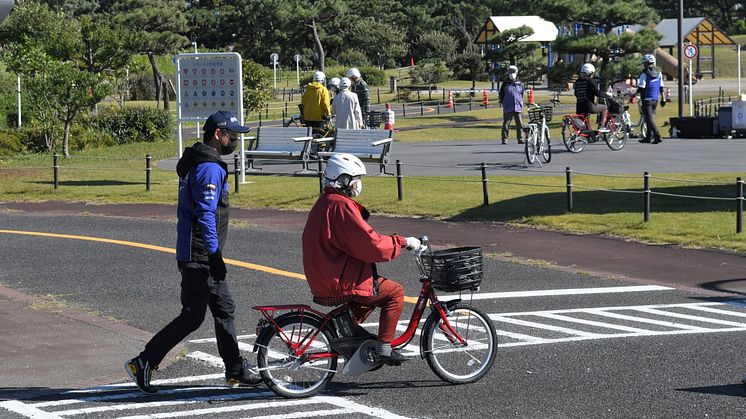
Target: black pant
<point>648,116</point>
<point>198,291</point>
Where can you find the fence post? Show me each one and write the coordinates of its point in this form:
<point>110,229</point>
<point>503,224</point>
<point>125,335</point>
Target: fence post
<point>568,179</point>
<point>379,94</point>
<point>404,109</point>
<point>56,165</point>
<point>437,104</point>
<point>260,118</point>
<point>739,205</point>
<point>454,106</point>
<point>422,108</point>
<point>484,185</point>
<point>148,169</point>
<point>470,102</point>
<point>321,176</point>
<point>646,197</point>
<point>236,170</point>
<point>399,191</point>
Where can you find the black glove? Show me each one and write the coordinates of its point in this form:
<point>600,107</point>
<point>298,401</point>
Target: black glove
<point>217,266</point>
<point>663,102</point>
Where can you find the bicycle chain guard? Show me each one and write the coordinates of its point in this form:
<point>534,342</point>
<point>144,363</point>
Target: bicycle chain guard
<point>363,360</point>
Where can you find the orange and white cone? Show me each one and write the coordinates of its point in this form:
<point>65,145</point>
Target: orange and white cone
<point>485,100</point>
<point>530,95</point>
<point>390,118</point>
<point>450,100</point>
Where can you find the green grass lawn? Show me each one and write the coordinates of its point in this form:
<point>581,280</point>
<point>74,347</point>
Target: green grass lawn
<point>117,174</point>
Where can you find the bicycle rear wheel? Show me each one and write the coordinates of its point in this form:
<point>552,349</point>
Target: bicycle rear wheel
<point>616,138</point>
<point>451,360</point>
<point>530,146</point>
<point>294,376</point>
<point>292,122</point>
<point>546,147</point>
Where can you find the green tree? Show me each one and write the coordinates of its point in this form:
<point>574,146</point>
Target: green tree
<point>469,65</point>
<point>257,87</point>
<point>436,44</point>
<point>382,43</point>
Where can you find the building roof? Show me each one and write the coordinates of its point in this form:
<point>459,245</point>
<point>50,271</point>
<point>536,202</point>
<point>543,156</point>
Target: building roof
<point>697,30</point>
<point>544,31</point>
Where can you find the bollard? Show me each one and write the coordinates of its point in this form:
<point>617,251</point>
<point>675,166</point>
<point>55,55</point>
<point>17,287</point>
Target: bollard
<point>321,177</point>
<point>646,197</point>
<point>266,112</point>
<point>148,169</point>
<point>379,94</point>
<point>56,161</point>
<point>260,119</point>
<point>568,179</point>
<point>404,110</point>
<point>236,170</point>
<point>739,205</point>
<point>286,111</point>
<point>484,185</point>
<point>422,109</point>
<point>399,191</point>
<point>437,105</point>
<point>470,102</point>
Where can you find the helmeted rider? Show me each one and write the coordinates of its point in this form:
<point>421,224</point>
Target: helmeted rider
<point>586,92</point>
<point>650,88</point>
<point>511,99</point>
<point>360,87</point>
<point>346,107</point>
<point>316,102</point>
<point>340,252</point>
<point>333,86</point>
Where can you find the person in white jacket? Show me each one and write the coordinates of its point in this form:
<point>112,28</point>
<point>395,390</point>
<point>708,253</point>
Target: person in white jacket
<point>346,107</point>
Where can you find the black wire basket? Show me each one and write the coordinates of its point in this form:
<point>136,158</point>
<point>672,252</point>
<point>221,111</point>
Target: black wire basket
<point>456,269</point>
<point>535,114</point>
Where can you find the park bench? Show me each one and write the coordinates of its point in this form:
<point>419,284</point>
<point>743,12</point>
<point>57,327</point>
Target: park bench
<point>284,143</point>
<point>369,145</point>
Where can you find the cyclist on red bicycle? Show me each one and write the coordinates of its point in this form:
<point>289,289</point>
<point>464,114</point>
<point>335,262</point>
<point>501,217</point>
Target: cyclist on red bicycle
<point>586,93</point>
<point>340,251</point>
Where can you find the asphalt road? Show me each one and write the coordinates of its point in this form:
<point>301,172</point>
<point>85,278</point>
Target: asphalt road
<point>638,352</point>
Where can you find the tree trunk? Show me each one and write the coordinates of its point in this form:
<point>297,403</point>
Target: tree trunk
<point>66,139</point>
<point>319,46</point>
<point>157,78</point>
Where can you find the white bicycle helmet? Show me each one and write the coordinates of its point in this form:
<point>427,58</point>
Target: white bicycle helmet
<point>512,69</point>
<point>343,171</point>
<point>353,73</point>
<point>587,69</point>
<point>345,83</point>
<point>319,76</point>
<point>334,82</point>
<point>648,59</point>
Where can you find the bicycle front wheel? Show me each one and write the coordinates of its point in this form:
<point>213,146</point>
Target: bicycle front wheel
<point>292,122</point>
<point>616,138</point>
<point>451,359</point>
<point>546,147</point>
<point>294,375</point>
<point>530,146</point>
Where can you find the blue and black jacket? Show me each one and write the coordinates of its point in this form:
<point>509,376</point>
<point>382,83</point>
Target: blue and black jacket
<point>203,204</point>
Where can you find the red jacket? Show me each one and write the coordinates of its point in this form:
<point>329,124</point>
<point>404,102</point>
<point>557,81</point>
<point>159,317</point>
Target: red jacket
<point>339,247</point>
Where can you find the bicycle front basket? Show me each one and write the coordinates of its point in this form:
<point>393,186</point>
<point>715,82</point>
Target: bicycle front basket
<point>535,115</point>
<point>455,269</point>
<point>547,112</point>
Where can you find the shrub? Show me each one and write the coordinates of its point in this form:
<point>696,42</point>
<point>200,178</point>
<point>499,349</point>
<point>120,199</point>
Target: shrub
<point>84,137</point>
<point>353,58</point>
<point>373,76</point>
<point>135,124</point>
<point>10,142</point>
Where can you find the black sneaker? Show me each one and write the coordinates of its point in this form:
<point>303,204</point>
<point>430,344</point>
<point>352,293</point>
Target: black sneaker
<point>140,371</point>
<point>248,376</point>
<point>396,358</point>
<point>644,140</point>
<point>657,141</point>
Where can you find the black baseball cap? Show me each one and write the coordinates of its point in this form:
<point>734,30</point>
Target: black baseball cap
<point>224,120</point>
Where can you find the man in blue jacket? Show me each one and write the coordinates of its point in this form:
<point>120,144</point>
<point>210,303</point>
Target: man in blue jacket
<point>650,88</point>
<point>201,231</point>
<point>511,97</point>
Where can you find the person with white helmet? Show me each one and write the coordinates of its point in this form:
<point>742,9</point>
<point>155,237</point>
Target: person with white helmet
<point>650,88</point>
<point>333,86</point>
<point>316,102</point>
<point>511,98</point>
<point>586,92</point>
<point>360,87</point>
<point>346,107</point>
<point>340,250</point>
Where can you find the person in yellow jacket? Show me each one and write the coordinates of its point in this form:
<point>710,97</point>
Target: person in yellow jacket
<point>317,108</point>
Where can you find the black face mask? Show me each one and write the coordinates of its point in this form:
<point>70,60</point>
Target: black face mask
<point>228,149</point>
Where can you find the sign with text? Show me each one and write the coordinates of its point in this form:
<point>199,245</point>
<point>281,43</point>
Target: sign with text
<point>207,83</point>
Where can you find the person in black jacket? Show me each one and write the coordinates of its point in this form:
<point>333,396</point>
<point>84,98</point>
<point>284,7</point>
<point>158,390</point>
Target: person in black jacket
<point>202,228</point>
<point>586,93</point>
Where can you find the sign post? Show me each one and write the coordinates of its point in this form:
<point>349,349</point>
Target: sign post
<point>273,57</point>
<point>690,51</point>
<point>207,83</point>
<point>297,58</point>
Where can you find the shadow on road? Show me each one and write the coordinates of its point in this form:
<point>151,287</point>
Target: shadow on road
<point>737,390</point>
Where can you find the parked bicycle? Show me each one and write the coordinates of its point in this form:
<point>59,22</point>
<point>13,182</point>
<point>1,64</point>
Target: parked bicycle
<point>299,350</point>
<point>577,131</point>
<point>631,126</point>
<point>323,130</point>
<point>536,134</point>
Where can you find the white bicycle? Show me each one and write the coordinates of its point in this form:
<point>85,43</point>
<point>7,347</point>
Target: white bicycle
<point>536,134</point>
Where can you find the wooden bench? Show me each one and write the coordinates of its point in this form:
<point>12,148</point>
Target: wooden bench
<point>284,143</point>
<point>369,145</point>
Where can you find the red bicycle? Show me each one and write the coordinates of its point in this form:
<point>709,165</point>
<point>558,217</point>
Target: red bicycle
<point>300,350</point>
<point>577,131</point>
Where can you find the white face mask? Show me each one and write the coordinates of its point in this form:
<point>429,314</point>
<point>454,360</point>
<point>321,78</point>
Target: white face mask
<point>356,187</point>
<point>512,76</point>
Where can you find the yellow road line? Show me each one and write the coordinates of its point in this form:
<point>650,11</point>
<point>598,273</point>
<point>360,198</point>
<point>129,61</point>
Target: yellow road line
<point>233,262</point>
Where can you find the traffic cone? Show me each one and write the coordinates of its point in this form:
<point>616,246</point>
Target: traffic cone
<point>485,100</point>
<point>450,100</point>
<point>390,118</point>
<point>530,95</point>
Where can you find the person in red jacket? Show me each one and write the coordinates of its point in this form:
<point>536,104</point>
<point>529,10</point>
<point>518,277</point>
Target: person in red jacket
<point>340,251</point>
